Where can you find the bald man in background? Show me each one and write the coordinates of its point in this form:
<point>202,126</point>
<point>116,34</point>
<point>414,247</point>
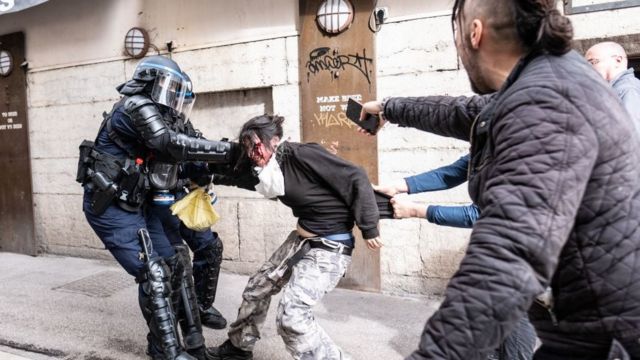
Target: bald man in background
<point>610,61</point>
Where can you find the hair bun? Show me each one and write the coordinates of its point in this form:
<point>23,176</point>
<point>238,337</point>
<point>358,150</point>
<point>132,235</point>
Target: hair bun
<point>556,33</point>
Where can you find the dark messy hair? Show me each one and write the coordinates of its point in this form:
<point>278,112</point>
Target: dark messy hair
<point>263,127</point>
<point>539,24</point>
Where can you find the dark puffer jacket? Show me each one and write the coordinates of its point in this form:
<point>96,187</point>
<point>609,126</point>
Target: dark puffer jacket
<point>555,170</point>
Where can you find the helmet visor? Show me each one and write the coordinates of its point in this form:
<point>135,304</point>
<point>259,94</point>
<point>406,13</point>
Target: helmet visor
<point>170,90</point>
<point>187,105</point>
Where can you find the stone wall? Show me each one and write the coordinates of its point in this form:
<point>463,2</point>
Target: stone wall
<point>419,257</point>
<point>235,81</point>
<point>239,79</point>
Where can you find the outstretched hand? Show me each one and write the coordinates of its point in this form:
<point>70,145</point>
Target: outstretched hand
<point>391,190</point>
<point>403,209</point>
<point>374,108</point>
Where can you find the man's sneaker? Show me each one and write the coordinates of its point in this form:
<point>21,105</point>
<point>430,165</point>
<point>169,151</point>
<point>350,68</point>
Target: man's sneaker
<point>227,351</point>
<point>212,318</point>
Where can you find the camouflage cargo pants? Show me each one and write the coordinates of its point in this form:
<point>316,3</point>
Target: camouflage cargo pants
<point>310,279</point>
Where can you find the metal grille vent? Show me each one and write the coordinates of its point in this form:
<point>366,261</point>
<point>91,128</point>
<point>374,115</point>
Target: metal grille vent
<point>103,284</point>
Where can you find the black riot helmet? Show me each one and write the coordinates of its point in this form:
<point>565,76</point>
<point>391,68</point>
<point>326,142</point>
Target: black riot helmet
<point>148,68</point>
<point>161,79</point>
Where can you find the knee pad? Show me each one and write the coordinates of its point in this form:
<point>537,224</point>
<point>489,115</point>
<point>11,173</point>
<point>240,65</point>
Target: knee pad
<point>206,269</point>
<point>211,254</point>
<point>156,304</point>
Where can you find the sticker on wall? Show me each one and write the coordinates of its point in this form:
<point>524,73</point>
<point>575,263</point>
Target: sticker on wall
<point>6,63</point>
<point>334,16</point>
<point>9,116</point>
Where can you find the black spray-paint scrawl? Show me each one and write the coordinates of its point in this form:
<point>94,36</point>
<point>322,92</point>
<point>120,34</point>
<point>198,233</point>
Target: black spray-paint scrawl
<point>323,59</point>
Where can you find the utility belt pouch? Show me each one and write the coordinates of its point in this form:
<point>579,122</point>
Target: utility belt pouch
<point>108,165</point>
<point>104,171</point>
<point>101,200</point>
<point>104,192</point>
<point>85,161</point>
<point>133,189</point>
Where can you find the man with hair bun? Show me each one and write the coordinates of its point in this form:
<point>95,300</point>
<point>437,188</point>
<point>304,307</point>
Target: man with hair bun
<point>554,171</point>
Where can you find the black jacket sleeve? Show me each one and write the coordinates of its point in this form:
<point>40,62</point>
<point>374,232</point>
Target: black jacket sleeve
<point>156,135</point>
<point>238,172</point>
<point>229,176</point>
<point>442,115</point>
<point>349,181</point>
<point>544,151</point>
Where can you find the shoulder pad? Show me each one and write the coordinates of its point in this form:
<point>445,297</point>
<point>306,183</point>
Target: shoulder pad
<point>135,102</point>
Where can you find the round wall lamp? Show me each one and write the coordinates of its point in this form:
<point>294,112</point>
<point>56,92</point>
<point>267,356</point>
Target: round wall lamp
<point>6,63</point>
<point>334,16</point>
<point>136,42</point>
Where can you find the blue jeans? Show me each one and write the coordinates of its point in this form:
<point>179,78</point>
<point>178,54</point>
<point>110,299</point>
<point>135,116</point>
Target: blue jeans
<point>519,344</point>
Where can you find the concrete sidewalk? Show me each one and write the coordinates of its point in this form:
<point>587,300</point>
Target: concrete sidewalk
<point>70,308</point>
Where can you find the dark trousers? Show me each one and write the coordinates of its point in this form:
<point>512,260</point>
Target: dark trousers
<point>118,231</point>
<point>558,345</point>
<point>175,230</point>
<point>588,347</point>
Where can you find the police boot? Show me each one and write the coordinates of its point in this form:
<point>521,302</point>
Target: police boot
<point>212,318</point>
<point>155,353</point>
<point>206,268</point>
<point>153,350</point>
<point>157,309</point>
<point>185,303</point>
<point>227,351</point>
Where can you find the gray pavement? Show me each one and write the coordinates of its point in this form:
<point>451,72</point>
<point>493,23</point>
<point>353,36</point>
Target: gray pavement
<point>70,308</point>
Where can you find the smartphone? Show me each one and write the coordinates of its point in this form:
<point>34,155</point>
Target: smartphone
<point>370,123</point>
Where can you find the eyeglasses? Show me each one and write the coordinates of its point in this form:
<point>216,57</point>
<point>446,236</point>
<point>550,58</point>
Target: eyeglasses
<point>596,61</point>
<point>455,28</point>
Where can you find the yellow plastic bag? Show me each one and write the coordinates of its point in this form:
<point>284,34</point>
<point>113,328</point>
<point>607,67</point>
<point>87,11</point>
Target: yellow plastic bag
<point>195,210</point>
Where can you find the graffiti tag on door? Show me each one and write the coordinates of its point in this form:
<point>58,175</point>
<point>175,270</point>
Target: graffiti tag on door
<point>323,59</point>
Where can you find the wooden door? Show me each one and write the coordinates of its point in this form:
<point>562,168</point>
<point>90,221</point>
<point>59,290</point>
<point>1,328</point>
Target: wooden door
<point>333,68</point>
<point>16,197</point>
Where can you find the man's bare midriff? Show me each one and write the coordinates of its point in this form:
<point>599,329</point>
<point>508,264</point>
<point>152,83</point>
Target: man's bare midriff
<point>304,233</point>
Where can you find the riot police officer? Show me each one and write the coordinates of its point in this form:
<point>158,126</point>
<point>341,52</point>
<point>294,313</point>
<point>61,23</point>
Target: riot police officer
<point>137,151</point>
<point>206,245</point>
